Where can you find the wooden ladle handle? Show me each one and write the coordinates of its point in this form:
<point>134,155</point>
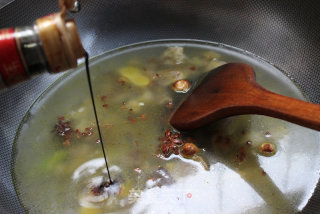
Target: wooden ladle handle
<point>287,108</point>
<point>231,90</point>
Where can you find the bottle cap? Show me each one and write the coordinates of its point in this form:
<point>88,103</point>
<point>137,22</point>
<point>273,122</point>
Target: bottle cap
<point>61,42</point>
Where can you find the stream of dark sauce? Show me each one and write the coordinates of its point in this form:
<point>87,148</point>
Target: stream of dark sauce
<point>95,113</point>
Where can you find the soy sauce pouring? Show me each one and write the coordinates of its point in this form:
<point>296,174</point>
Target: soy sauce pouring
<point>54,47</point>
<point>95,114</point>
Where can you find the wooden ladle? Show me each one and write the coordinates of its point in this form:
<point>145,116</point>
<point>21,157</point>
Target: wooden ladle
<point>231,90</point>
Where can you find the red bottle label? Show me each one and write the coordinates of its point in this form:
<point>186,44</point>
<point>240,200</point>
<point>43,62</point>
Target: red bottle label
<point>11,66</point>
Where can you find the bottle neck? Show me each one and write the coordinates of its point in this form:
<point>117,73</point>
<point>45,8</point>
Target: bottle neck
<point>60,41</point>
<point>52,44</point>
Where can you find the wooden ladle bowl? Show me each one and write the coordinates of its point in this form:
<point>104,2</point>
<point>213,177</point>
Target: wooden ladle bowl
<point>231,90</point>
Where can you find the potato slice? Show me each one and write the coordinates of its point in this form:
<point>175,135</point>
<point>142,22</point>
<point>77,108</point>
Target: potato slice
<point>134,75</point>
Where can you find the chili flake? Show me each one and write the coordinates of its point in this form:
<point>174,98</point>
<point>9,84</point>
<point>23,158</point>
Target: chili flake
<point>143,116</point>
<point>122,82</point>
<point>63,129</point>
<point>170,143</point>
<point>87,132</point>
<point>103,98</point>
<point>131,119</point>
<point>66,142</point>
<point>157,75</point>
<point>192,68</point>
<point>169,104</point>
<point>60,118</point>
<point>241,155</point>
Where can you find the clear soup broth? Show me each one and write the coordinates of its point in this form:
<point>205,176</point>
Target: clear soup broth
<point>243,164</point>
